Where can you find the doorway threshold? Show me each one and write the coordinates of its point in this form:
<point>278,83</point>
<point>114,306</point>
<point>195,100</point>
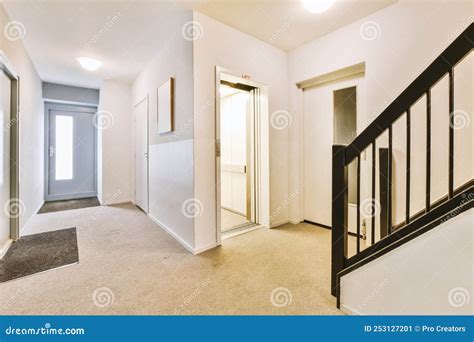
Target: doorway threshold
<point>62,205</point>
<point>240,230</point>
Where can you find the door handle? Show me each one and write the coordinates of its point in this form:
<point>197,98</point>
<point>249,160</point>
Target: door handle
<point>145,154</point>
<point>51,151</point>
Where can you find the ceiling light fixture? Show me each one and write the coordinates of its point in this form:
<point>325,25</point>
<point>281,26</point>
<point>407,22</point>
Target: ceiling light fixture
<point>317,6</point>
<point>90,64</point>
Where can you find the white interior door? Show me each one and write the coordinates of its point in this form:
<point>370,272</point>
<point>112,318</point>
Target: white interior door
<point>141,154</point>
<point>5,159</point>
<point>318,134</point>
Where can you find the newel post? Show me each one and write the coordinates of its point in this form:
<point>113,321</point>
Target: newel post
<point>339,214</point>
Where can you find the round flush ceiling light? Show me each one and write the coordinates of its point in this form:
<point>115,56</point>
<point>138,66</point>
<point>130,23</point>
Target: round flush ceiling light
<point>90,64</point>
<point>317,6</point>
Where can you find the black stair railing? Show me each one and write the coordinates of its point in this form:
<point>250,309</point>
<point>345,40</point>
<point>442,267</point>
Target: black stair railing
<point>344,155</point>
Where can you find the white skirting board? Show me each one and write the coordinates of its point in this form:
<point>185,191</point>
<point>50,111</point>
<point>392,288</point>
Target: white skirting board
<point>349,311</point>
<point>180,240</point>
<point>22,229</point>
<point>5,247</point>
<point>280,223</point>
<point>173,234</point>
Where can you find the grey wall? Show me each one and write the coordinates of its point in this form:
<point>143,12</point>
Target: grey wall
<point>60,92</point>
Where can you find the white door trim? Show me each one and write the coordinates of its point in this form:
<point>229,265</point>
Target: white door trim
<point>262,160</point>
<point>358,81</point>
<point>9,70</point>
<point>66,107</point>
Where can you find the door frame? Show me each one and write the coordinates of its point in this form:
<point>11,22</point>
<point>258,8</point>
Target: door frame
<point>10,72</point>
<point>356,80</point>
<point>145,98</point>
<point>48,106</point>
<point>259,101</point>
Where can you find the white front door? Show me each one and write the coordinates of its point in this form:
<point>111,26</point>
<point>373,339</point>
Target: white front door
<point>141,154</point>
<point>70,152</point>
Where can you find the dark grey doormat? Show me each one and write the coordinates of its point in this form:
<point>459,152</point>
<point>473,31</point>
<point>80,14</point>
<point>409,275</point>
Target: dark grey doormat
<point>50,207</point>
<point>38,253</point>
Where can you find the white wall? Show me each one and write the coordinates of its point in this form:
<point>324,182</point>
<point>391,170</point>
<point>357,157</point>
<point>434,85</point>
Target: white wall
<point>404,44</point>
<point>437,283</point>
<point>171,155</point>
<point>406,33</point>
<point>115,147</point>
<point>31,125</point>
<point>221,45</point>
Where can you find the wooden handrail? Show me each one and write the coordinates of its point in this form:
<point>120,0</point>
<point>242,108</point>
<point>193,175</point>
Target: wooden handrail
<point>463,44</point>
<point>344,155</point>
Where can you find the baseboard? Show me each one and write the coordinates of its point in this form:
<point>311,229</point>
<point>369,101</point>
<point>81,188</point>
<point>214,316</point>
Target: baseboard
<point>5,247</point>
<point>117,202</point>
<point>205,248</point>
<point>31,217</point>
<point>173,234</point>
<point>349,311</point>
<point>279,223</point>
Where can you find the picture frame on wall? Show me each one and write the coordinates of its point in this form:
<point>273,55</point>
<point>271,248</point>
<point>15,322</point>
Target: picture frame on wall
<point>165,107</point>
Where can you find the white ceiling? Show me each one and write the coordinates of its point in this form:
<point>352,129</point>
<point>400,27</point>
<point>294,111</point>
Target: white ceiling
<point>125,35</point>
<point>285,23</point>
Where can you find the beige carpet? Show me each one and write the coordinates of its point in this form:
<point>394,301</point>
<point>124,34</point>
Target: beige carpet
<point>129,265</point>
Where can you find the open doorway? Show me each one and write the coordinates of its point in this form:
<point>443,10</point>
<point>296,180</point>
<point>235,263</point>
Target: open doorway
<point>237,157</point>
<point>333,113</point>
<point>242,191</point>
<point>345,130</point>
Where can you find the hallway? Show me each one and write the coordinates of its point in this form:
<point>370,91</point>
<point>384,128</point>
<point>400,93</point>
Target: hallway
<point>145,271</point>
